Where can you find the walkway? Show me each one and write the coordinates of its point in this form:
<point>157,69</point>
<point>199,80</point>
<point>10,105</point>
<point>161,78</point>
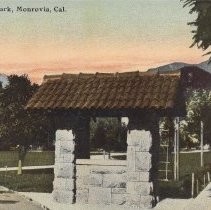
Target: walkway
<point>202,202</point>
<point>47,202</point>
<point>13,201</point>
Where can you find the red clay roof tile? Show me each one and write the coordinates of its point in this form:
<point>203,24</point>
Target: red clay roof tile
<point>129,90</point>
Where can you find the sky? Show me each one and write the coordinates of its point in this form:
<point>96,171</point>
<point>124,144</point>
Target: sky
<point>94,36</point>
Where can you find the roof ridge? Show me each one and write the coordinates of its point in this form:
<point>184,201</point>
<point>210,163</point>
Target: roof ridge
<point>81,75</point>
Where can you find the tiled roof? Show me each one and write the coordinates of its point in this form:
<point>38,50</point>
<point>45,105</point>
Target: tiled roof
<point>102,91</point>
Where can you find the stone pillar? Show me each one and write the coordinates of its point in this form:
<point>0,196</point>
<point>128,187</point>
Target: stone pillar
<point>64,186</point>
<point>82,138</point>
<point>142,159</point>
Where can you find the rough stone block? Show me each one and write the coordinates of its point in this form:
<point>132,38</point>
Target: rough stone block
<point>82,182</point>
<point>108,171</point>
<point>143,161</point>
<point>82,170</point>
<point>140,188</point>
<point>64,135</point>
<point>133,176</point>
<point>139,138</point>
<point>64,170</point>
<point>131,158</point>
<point>145,145</point>
<point>67,147</point>
<point>68,158</point>
<point>146,141</point>
<point>114,180</point>
<point>86,179</point>
<point>63,184</point>
<point>133,138</point>
<point>133,200</point>
<point>118,191</point>
<point>146,201</point>
<point>96,179</point>
<point>144,188</point>
<point>82,196</point>
<point>58,160</point>
<point>98,195</point>
<point>62,196</point>
<point>119,199</point>
<point>79,184</point>
<point>144,176</point>
<point>57,147</point>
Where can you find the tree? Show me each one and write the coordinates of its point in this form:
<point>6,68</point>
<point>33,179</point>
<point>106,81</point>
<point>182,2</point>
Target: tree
<point>202,33</point>
<point>109,134</point>
<point>198,108</point>
<point>19,127</point>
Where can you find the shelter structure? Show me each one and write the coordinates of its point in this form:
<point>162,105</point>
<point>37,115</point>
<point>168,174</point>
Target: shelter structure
<point>139,99</point>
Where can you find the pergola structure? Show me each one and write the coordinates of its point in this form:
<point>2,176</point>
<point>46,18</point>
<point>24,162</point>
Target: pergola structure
<point>139,99</point>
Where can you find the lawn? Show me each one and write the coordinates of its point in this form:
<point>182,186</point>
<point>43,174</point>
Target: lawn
<point>10,158</point>
<point>41,180</point>
<point>29,181</point>
<point>189,163</point>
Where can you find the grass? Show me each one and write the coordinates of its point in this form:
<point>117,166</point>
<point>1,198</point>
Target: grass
<point>29,181</point>
<point>189,163</point>
<point>41,180</point>
<point>10,158</point>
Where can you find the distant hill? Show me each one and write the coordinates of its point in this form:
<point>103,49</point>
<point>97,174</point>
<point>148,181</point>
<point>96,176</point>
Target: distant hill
<point>204,65</point>
<point>4,79</point>
<point>177,65</point>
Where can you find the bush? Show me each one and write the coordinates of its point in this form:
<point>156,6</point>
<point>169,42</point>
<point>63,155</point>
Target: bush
<point>175,189</point>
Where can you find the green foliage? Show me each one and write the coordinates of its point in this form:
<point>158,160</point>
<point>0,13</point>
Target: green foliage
<point>17,125</point>
<point>175,189</point>
<point>200,172</point>
<point>198,108</point>
<point>109,134</point>
<point>202,33</point>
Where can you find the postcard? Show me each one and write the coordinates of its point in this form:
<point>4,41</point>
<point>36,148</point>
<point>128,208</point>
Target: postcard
<point>105,104</point>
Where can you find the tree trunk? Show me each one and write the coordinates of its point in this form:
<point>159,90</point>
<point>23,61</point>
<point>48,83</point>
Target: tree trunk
<point>19,167</point>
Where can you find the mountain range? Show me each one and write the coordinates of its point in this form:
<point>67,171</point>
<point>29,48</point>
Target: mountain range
<point>168,67</point>
<point>177,65</point>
